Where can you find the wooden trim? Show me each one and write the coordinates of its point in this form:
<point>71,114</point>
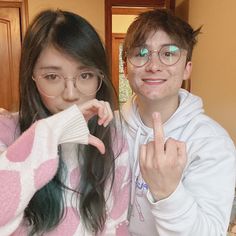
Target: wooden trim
<point>169,4</point>
<point>24,16</point>
<point>12,1</point>
<point>129,10</point>
<point>118,35</point>
<point>10,4</point>
<point>117,38</point>
<point>108,29</point>
<point>135,3</point>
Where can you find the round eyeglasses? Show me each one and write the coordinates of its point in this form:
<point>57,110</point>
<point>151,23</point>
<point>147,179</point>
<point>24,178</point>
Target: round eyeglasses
<point>53,84</point>
<point>168,55</point>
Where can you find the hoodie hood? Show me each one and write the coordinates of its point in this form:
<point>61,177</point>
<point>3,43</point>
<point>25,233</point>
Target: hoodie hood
<point>189,107</point>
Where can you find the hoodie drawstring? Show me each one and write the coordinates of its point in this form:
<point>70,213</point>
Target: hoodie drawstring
<point>134,163</point>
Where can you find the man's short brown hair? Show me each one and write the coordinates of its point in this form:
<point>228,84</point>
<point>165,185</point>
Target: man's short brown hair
<point>178,30</point>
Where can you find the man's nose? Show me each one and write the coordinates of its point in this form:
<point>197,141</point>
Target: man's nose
<point>154,63</point>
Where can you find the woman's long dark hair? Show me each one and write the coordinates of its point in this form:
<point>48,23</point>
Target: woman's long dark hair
<point>73,35</point>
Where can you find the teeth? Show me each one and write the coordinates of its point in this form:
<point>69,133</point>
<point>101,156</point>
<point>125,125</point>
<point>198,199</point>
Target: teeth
<point>153,80</point>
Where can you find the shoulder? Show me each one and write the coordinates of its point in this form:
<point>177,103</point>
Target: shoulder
<point>204,135</point>
<point>207,139</point>
<point>202,126</point>
<point>9,129</point>
<point>9,121</point>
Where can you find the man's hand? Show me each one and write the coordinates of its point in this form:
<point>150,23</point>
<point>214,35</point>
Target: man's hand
<point>105,115</point>
<point>161,163</point>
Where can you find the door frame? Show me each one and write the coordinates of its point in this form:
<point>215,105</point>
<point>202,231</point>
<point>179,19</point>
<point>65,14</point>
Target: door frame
<point>117,38</point>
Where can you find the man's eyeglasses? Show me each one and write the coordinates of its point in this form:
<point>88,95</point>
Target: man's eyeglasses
<point>168,55</point>
<point>52,84</point>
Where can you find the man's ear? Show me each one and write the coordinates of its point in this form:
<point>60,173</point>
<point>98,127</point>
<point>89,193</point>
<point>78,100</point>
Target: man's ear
<point>187,70</point>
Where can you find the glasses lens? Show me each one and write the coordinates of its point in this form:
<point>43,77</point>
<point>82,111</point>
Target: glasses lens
<point>169,55</point>
<point>138,56</point>
<point>87,82</point>
<point>50,84</point>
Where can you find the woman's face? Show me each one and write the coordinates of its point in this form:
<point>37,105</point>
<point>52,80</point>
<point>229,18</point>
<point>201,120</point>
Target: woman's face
<point>63,81</point>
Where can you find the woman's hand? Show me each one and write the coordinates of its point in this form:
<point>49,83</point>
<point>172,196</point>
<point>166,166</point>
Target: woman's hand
<point>105,115</point>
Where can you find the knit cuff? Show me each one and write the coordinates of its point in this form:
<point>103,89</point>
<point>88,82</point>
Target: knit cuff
<point>70,125</point>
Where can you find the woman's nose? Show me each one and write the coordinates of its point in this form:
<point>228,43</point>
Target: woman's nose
<point>70,92</point>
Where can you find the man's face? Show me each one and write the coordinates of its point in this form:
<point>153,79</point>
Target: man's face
<point>155,80</point>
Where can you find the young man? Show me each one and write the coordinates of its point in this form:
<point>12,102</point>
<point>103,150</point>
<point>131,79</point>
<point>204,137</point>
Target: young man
<point>183,187</point>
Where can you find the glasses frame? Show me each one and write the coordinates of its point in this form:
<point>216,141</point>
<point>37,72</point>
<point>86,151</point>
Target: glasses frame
<point>150,52</point>
<point>66,78</point>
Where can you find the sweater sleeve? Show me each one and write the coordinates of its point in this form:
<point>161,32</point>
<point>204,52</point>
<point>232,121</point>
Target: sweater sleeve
<point>202,202</point>
<point>30,162</point>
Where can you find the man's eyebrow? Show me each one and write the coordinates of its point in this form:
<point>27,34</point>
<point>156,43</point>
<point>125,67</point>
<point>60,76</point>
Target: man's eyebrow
<point>170,44</point>
<point>162,45</point>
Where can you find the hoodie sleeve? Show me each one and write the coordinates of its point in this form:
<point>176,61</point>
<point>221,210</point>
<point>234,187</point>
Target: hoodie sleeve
<point>31,161</point>
<point>202,202</point>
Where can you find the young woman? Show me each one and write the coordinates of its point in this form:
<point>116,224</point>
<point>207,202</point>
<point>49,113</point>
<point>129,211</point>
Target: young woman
<point>63,166</point>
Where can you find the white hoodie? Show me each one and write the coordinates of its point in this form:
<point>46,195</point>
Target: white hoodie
<point>201,204</point>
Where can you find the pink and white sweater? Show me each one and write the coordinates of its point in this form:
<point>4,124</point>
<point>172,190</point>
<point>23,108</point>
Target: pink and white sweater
<point>29,161</point>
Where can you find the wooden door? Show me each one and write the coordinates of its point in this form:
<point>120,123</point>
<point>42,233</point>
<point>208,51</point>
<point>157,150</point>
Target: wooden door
<point>13,21</point>
<point>10,46</point>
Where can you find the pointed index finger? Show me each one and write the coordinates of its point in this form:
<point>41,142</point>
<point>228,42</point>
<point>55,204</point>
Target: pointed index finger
<point>158,133</point>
